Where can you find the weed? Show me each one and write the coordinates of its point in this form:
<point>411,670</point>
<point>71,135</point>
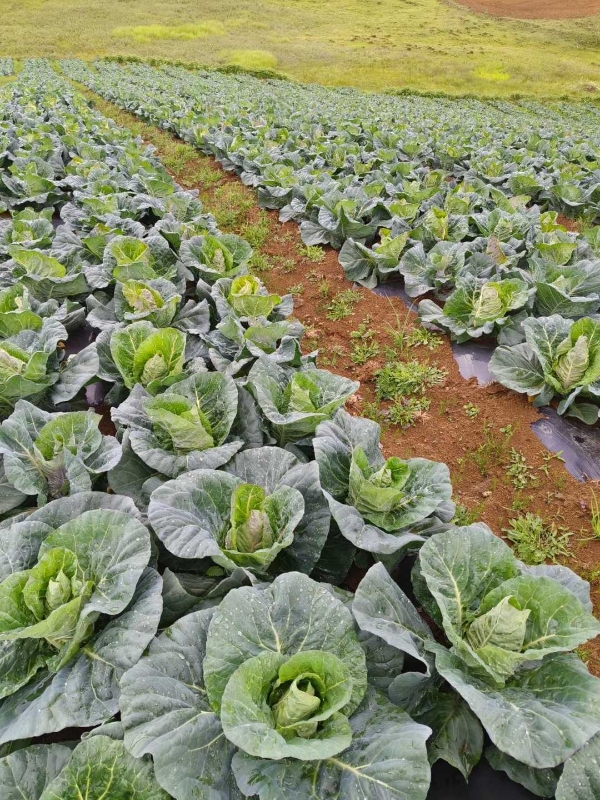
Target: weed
<point>256,233</point>
<point>373,411</point>
<point>314,276</point>
<point>332,359</point>
<point>363,351</point>
<point>471,410</point>
<point>536,541</point>
<point>590,575</point>
<point>323,289</point>
<point>261,263</point>
<point>595,515</point>
<point>547,456</point>
<point>405,411</point>
<point>492,451</point>
<point>231,205</point>
<point>560,481</point>
<point>422,337</point>
<point>364,330</point>
<point>444,407</point>
<point>407,377</point>
<point>519,472</point>
<point>466,516</point>
<point>286,265</point>
<point>206,175</point>
<point>298,288</point>
<point>312,252</point>
<point>584,653</point>
<point>508,431</point>
<point>342,305</point>
<point>283,238</point>
<point>520,503</point>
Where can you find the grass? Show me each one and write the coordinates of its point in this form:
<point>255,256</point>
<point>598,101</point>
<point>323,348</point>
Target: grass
<point>595,515</point>
<point>491,452</point>
<point>408,333</point>
<point>535,541</point>
<point>429,45</point>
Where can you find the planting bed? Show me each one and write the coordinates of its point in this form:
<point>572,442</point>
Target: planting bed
<point>225,583</point>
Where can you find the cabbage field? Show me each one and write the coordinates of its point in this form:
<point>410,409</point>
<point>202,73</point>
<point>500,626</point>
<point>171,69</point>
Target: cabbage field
<point>213,584</point>
<point>465,200</point>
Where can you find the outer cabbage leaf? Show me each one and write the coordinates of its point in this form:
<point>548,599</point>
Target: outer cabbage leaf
<point>541,782</point>
<point>100,767</point>
<point>541,717</point>
<point>25,773</point>
<point>581,776</point>
<point>165,713</point>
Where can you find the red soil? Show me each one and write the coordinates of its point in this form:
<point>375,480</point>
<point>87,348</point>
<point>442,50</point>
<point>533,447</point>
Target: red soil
<point>535,9</point>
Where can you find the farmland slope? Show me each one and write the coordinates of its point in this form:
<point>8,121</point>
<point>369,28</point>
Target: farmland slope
<point>422,44</point>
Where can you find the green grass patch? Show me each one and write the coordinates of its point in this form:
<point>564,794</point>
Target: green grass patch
<point>143,34</point>
<point>250,59</point>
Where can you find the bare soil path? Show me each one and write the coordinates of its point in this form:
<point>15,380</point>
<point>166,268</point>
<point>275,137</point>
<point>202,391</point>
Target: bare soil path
<point>535,9</point>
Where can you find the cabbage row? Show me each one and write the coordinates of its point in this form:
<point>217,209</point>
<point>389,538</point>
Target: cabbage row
<point>6,66</point>
<point>461,199</point>
<point>173,617</point>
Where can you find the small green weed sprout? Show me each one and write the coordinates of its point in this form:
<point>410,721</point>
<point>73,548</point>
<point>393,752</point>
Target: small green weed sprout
<point>364,330</point>
<point>260,262</point>
<point>595,515</point>
<point>363,352</point>
<point>471,410</point>
<point>323,289</point>
<point>548,457</point>
<point>256,233</point>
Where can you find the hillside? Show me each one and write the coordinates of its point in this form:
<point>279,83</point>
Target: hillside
<point>423,44</point>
